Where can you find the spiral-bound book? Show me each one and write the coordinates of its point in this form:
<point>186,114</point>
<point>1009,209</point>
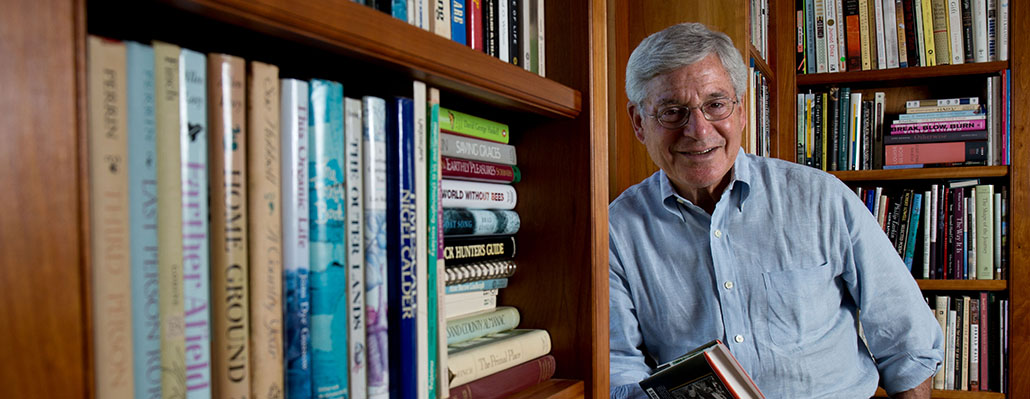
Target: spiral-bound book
<point>479,271</point>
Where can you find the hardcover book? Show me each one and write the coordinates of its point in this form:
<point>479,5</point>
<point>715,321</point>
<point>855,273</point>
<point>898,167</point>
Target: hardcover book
<point>478,271</point>
<point>471,360</point>
<point>481,150</point>
<point>434,258</point>
<point>401,221</point>
<point>264,193</point>
<point>466,169</point>
<point>376,290</point>
<point>480,324</point>
<point>459,17</point>
<point>426,387</point>
<point>476,249</point>
<point>352,125</point>
<point>460,123</point>
<point>328,246</point>
<point>507,382</point>
<point>491,284</point>
<point>479,222</point>
<point>708,371</point>
<point>466,194</point>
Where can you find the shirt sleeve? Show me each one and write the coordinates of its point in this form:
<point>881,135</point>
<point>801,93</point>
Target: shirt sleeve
<point>900,330</point>
<point>626,359</point>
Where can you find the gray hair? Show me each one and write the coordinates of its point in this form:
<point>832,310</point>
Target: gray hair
<point>678,46</point>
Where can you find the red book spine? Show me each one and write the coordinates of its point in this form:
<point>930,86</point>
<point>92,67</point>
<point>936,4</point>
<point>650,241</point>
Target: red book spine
<point>465,169</point>
<point>853,36</point>
<point>507,382</point>
<point>931,153</point>
<point>474,20</point>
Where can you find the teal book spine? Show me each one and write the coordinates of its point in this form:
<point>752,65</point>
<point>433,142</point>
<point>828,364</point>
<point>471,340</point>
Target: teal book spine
<point>146,328</point>
<point>481,285</point>
<point>328,252</point>
<point>297,331</point>
<point>917,204</point>
<point>373,147</point>
<point>432,241</point>
<point>195,252</point>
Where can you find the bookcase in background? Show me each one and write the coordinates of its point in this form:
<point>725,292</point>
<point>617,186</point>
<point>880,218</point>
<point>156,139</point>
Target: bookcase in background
<point>559,126</point>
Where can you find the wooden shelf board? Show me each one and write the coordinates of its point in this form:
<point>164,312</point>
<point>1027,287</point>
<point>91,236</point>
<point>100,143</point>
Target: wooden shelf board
<point>363,32</point>
<point>899,74</point>
<point>553,389</point>
<point>957,172</point>
<point>760,62</point>
<point>941,394</point>
<point>963,285</point>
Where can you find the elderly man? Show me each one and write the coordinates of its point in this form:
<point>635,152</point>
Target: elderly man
<point>779,261</point>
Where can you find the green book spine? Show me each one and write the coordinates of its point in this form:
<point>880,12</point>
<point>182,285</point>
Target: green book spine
<point>985,232</point>
<point>472,126</point>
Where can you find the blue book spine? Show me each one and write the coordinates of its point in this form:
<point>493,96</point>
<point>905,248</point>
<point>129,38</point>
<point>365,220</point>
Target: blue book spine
<point>947,114</point>
<point>146,328</point>
<point>810,60</point>
<point>328,256</point>
<point>399,9</point>
<point>400,233</point>
<point>917,204</point>
<point>296,255</point>
<point>376,290</point>
<point>482,285</point>
<point>458,33</point>
<point>195,253</point>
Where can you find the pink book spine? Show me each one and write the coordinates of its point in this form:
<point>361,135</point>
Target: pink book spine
<point>924,153</point>
<point>942,126</point>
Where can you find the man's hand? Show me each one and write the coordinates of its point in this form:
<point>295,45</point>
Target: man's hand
<point>922,391</point>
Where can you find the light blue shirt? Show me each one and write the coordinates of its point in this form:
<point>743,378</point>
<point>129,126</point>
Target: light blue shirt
<point>778,272</point>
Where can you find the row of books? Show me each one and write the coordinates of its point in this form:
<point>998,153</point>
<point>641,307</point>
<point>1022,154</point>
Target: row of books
<point>511,30</point>
<point>976,342</point>
<point>840,130</point>
<point>758,138</point>
<point>254,235</point>
<point>853,35</point>
<point>948,231</point>
<point>759,24</point>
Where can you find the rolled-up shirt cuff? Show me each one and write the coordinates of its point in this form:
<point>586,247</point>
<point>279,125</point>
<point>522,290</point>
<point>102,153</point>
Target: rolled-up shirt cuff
<point>900,376</point>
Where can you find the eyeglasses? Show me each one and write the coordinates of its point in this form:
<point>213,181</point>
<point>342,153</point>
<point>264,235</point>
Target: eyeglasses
<point>677,116</point>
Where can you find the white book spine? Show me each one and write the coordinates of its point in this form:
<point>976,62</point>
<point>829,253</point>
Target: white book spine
<point>980,49</point>
<point>856,130</point>
<point>971,234</point>
<point>842,50</point>
<point>423,13</point>
<point>917,19</point>
<point>540,24</point>
<point>374,182</point>
<point>441,14</point>
<point>528,31</point>
<point>355,248</point>
<point>507,349</point>
<point>997,234</point>
<point>1003,30</point>
<point>890,33</point>
<point>830,26</point>
<point>992,30</point>
<point>955,32</point>
<point>458,308</point>
<point>413,15</point>
<point>949,351</point>
<point>881,46</point>
<point>421,256</point>
<point>940,310</point>
<point>467,194</point>
<point>928,208</point>
<point>820,36</point>
<point>503,33</point>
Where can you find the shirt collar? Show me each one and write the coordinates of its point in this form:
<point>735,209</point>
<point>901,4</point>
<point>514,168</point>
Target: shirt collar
<point>739,187</point>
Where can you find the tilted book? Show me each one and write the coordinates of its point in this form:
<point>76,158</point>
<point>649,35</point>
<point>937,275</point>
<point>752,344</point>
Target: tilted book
<point>296,256</point>
<point>264,193</point>
<point>481,150</point>
<point>169,220</point>
<point>195,251</point>
<point>374,182</point>
<point>467,194</point>
<point>109,217</point>
<point>477,222</point>
<point>352,127</point>
<point>708,371</point>
<point>471,360</point>
<point>142,169</point>
<point>508,382</point>
<point>460,123</point>
<point>328,246</point>
<point>401,221</point>
<point>476,325</point>
<point>229,262</point>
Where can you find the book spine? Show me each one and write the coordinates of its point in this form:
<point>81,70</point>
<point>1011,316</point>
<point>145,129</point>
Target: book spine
<point>985,232</point>
<point>376,290</point>
<point>474,24</point>
<point>924,153</point>
<point>879,104</point>
<point>454,146</point>
<point>434,223</point>
<point>458,305</point>
<point>541,37</point>
<point>460,123</point>
<point>941,38</point>
<point>940,310</point>
<point>942,102</point>
<point>421,173</point>
<point>465,194</point>
<point>459,18</point>
<point>266,232</point>
<point>929,40</point>
<point>492,284</point>
<point>890,33</point>
<point>505,350</point>
<point>531,60</point>
<point>853,29</point>
<point>878,26</point>
<point>169,220</point>
<point>146,322</point>
<point>490,28</point>
<point>936,137</point>
<point>479,222</point>
<point>478,249</point>
<point>478,271</point>
<point>928,212</point>
<point>968,36</point>
<point>508,382</point>
<point>819,18</point>
<point>980,111</point>
<point>921,119</point>
<point>441,17</point>
<point>830,27</point>
<point>358,379</point>
<point>195,252</point>
<point>423,14</point>
<point>481,324</point>
<point>515,32</point>
<point>229,261</point>
<point>917,16</point>
<point>941,108</point>
<point>955,32</point>
<point>842,56</point>
<point>1003,30</point>
<point>503,30</point>
<point>910,243</point>
<point>296,255</point>
<point>401,247</point>
<point>865,35</point>
<point>810,56</point>
<point>981,52</point>
<point>974,344</point>
<point>109,216</point>
<point>396,8</point>
<point>906,8</point>
<point>465,169</point>
<point>327,277</point>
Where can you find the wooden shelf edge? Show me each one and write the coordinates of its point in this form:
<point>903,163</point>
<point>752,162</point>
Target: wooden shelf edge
<point>553,389</point>
<point>956,172</point>
<point>760,62</point>
<point>962,285</point>
<point>942,394</point>
<point>362,32</point>
<point>897,74</point>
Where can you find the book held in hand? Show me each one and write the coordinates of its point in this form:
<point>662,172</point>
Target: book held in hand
<point>710,371</point>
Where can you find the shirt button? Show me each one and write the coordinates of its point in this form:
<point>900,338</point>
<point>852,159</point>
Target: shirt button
<point>728,285</point>
<point>718,234</point>
<point>739,338</point>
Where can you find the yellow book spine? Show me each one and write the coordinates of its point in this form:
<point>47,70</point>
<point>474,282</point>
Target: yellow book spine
<point>928,39</point>
<point>230,341</point>
<point>265,201</point>
<point>941,37</point>
<point>109,217</point>
<point>863,26</point>
<point>169,221</point>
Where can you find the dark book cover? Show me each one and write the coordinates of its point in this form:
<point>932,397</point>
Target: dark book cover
<point>866,162</point>
<point>400,247</point>
<point>967,31</point>
<point>845,126</point>
<point>975,135</point>
<point>834,139</point>
<point>814,158</point>
<point>515,39</point>
<point>507,382</point>
<point>893,219</point>
<point>458,250</point>
<point>879,122</point>
<point>959,234</point>
<point>491,40</point>
<point>906,211</point>
<point>853,37</point>
<point>800,42</point>
<point>911,47</point>
<point>709,371</point>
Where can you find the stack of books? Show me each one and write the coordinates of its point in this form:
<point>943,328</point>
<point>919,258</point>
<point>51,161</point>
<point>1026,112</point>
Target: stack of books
<point>944,132</point>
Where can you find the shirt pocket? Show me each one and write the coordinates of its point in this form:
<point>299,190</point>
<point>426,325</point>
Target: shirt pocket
<point>802,303</point>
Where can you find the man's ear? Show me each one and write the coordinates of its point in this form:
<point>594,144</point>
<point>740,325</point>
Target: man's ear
<point>636,120</point>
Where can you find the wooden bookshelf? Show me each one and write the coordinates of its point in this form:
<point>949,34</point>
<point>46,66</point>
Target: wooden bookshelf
<point>962,285</point>
<point>883,76</point>
<point>942,394</point>
<point>558,120</point>
<point>760,63</point>
<point>958,172</point>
